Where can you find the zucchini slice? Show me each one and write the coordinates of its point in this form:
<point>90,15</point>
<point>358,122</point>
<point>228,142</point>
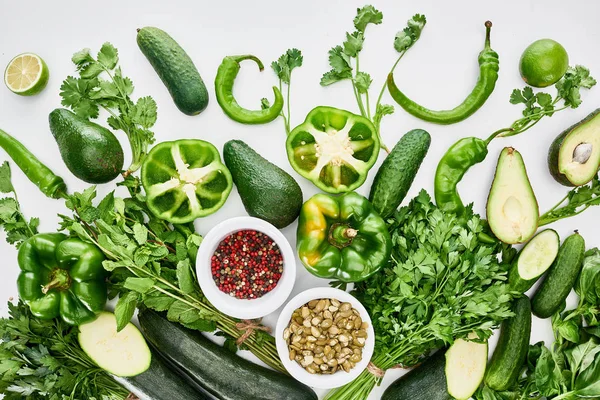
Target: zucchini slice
<point>122,353</point>
<point>465,367</point>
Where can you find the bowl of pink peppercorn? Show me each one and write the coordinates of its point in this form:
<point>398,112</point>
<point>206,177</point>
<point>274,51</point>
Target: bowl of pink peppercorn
<point>246,267</point>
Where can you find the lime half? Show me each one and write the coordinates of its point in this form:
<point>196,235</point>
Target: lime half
<point>543,63</point>
<point>26,74</point>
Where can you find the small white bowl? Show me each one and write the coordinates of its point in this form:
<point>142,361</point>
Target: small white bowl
<point>245,308</point>
<point>340,377</point>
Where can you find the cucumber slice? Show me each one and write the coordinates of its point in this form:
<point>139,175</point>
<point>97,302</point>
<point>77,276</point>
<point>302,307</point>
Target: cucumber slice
<point>122,353</point>
<point>465,367</point>
<point>535,259</point>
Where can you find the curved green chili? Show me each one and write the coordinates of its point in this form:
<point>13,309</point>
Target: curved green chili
<point>488,75</point>
<point>50,184</point>
<point>452,167</point>
<point>224,81</point>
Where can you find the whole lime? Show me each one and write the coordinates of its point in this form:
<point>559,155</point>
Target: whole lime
<point>543,63</point>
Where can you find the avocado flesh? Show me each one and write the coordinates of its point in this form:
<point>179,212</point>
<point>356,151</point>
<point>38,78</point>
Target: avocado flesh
<point>579,154</point>
<point>512,209</point>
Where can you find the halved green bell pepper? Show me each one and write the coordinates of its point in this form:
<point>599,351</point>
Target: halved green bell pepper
<point>342,237</point>
<point>63,277</point>
<point>185,180</point>
<point>334,149</point>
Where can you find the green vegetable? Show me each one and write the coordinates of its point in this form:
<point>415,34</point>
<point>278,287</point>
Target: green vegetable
<point>424,382</point>
<point>488,75</point>
<point>574,203</point>
<point>185,180</point>
<point>175,68</point>
<point>543,63</point>
<point>468,152</point>
<point>441,284</point>
<point>333,148</point>
<point>342,237</point>
<point>49,184</point>
<point>267,191</point>
<point>574,156</point>
<point>123,353</point>
<point>213,368</point>
<point>344,61</point>
<point>160,382</point>
<point>465,367</point>
<point>91,152</point>
<point>398,171</point>
<point>558,282</point>
<point>512,208</point>
<point>88,93</point>
<point>283,68</point>
<point>63,277</point>
<point>510,354</point>
<point>41,359</point>
<point>587,288</point>
<point>535,259</point>
<point>224,81</point>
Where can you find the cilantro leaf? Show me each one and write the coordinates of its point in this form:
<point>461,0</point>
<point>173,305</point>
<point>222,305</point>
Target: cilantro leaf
<point>332,76</point>
<point>144,112</point>
<point>339,61</point>
<point>108,56</point>
<point>284,66</point>
<point>362,82</point>
<point>407,37</point>
<point>76,94</point>
<point>5,182</point>
<point>367,15</point>
<point>353,44</point>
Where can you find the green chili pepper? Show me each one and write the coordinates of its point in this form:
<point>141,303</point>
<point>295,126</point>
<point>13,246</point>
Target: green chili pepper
<point>488,75</point>
<point>342,237</point>
<point>452,167</point>
<point>224,81</point>
<point>50,184</point>
<point>63,277</point>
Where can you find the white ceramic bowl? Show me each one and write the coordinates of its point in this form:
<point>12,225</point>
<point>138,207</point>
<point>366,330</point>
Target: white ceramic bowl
<point>245,308</point>
<point>340,377</point>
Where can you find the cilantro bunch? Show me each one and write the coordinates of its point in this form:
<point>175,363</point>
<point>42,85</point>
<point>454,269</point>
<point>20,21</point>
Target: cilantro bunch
<point>345,64</point>
<point>574,203</point>
<point>442,283</point>
<point>16,226</point>
<point>283,68</point>
<point>89,93</point>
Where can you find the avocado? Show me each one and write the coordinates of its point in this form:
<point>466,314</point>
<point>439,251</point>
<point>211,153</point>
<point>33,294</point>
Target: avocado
<point>574,156</point>
<point>91,152</point>
<point>512,209</point>
<point>267,191</point>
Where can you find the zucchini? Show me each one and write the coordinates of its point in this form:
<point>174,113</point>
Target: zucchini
<point>175,68</point>
<point>209,367</point>
<point>159,382</point>
<point>123,353</point>
<point>535,259</point>
<point>465,367</point>
<point>398,171</point>
<point>558,282</point>
<point>425,382</point>
<point>511,351</point>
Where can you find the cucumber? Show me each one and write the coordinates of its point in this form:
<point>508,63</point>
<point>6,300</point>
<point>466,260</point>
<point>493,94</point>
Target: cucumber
<point>465,367</point>
<point>396,174</point>
<point>159,382</point>
<point>535,258</point>
<point>209,367</point>
<point>123,353</point>
<point>558,282</point>
<point>425,382</point>
<point>511,351</point>
<point>175,68</point>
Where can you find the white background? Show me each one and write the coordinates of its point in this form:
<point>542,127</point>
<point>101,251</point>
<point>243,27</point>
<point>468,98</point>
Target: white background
<point>438,72</point>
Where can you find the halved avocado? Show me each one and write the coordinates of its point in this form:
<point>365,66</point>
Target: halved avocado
<point>512,209</point>
<point>574,156</point>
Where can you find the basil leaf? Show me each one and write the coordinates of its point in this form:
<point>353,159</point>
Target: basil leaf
<point>587,384</point>
<point>547,374</point>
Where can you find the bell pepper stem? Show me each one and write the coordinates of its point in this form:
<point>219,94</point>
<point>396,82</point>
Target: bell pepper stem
<point>341,235</point>
<point>60,280</point>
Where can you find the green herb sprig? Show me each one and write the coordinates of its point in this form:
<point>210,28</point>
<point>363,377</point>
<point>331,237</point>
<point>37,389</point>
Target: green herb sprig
<point>574,203</point>
<point>283,68</point>
<point>89,93</point>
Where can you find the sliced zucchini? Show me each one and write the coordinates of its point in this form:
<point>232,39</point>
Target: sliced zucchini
<point>465,366</point>
<point>122,353</point>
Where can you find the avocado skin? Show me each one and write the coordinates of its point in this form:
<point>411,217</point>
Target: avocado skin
<point>175,68</point>
<point>554,150</point>
<point>267,191</point>
<point>91,152</point>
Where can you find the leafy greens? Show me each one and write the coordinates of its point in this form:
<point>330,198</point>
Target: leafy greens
<point>283,68</point>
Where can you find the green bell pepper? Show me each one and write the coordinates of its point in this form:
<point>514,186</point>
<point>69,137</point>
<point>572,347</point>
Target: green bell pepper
<point>185,180</point>
<point>63,277</point>
<point>334,149</point>
<point>342,237</point>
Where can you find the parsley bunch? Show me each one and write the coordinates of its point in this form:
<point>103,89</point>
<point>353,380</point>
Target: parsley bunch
<point>344,61</point>
<point>42,359</point>
<point>442,283</point>
<point>283,68</point>
<point>16,226</point>
<point>88,93</point>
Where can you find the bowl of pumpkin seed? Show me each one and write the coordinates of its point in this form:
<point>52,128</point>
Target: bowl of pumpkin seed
<point>324,337</point>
